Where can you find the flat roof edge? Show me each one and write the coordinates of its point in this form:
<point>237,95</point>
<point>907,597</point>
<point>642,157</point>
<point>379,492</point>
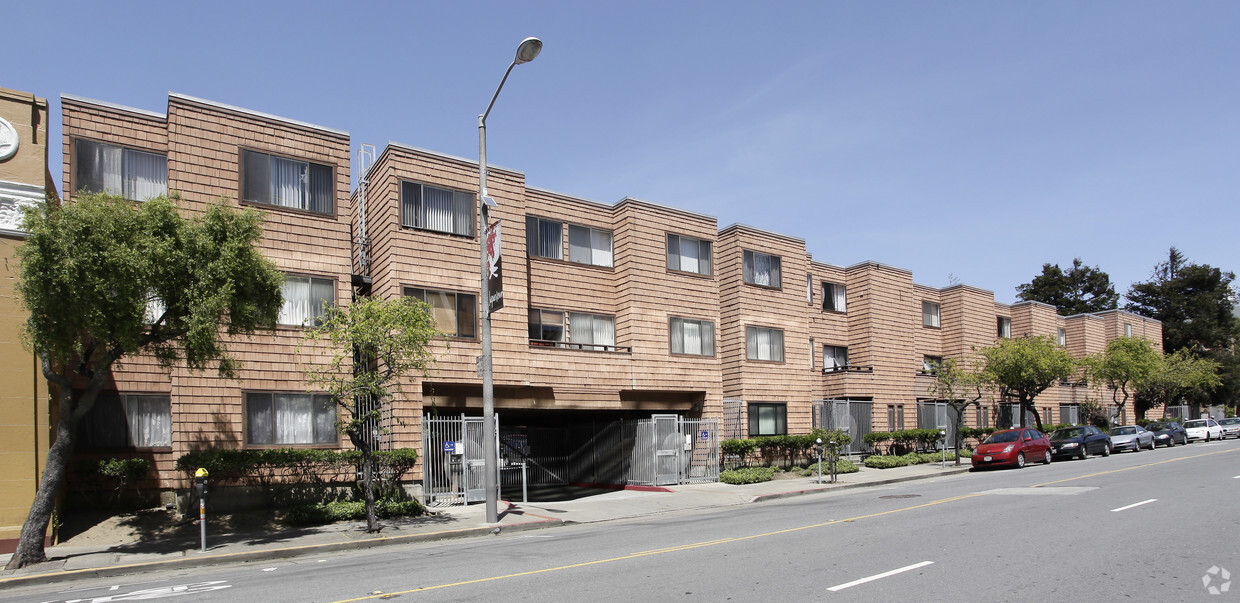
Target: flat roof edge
<point>114,106</point>
<point>253,113</point>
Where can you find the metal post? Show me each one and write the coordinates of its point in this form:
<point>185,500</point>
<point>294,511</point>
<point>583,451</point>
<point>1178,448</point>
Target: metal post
<point>819,460</point>
<point>525,483</point>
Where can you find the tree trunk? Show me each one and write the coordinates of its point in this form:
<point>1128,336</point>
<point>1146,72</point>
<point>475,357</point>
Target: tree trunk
<point>372,522</point>
<point>30,548</point>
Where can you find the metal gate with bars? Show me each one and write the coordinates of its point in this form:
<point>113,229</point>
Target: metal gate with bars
<point>669,450</point>
<point>938,415</point>
<point>854,417</point>
<point>453,465</point>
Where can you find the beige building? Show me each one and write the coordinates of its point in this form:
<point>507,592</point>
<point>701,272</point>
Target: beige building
<point>24,414</point>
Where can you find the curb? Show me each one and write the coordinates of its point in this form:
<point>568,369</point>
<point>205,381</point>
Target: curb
<point>838,486</point>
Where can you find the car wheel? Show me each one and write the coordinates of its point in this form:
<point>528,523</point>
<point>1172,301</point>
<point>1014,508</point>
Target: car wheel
<point>1138,447</point>
<point>1106,450</point>
<point>1046,460</point>
<point>1020,461</point>
<point>1084,451</point>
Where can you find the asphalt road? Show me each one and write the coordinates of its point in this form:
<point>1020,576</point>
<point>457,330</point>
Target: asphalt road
<point>1154,525</point>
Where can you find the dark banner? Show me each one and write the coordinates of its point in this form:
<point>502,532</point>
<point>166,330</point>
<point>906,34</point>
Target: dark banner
<point>495,271</point>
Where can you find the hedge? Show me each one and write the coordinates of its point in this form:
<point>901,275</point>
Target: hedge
<point>747,475</point>
<point>330,512</point>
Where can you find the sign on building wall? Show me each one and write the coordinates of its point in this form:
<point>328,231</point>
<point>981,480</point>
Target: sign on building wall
<point>495,272</point>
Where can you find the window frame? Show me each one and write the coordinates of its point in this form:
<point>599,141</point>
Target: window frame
<point>671,325</point>
<point>754,419</point>
<point>782,349</point>
<point>75,174</point>
<point>311,279</point>
<point>410,223</point>
<point>749,269</point>
<point>1003,327</point>
<point>531,226</point>
<point>315,427</point>
<point>104,404</point>
<point>935,317</point>
<point>1127,329</point>
<point>895,417</point>
<point>826,349</point>
<point>930,365</point>
<point>406,290</point>
<point>828,297</point>
<point>243,174</point>
<point>542,341</point>
<point>592,346</point>
<point>1061,337</point>
<point>590,231</point>
<point>702,244</point>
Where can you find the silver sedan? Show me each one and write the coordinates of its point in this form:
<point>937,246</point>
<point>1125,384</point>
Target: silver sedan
<point>1131,437</point>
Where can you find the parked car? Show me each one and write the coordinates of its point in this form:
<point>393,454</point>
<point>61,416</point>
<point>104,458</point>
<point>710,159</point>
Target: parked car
<point>1202,429</point>
<point>1012,447</point>
<point>1230,427</point>
<point>1167,433</point>
<point>1079,442</point>
<point>1131,437</point>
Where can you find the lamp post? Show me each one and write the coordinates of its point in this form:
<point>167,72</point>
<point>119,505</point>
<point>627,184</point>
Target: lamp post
<point>529,48</point>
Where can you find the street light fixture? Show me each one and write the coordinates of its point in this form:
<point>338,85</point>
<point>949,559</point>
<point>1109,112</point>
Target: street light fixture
<point>526,52</point>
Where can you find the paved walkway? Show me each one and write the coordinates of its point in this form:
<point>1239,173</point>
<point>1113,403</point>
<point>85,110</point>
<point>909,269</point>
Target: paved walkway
<point>66,562</point>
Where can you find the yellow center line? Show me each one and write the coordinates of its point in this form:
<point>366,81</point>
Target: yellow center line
<point>674,549</point>
<point>1185,458</point>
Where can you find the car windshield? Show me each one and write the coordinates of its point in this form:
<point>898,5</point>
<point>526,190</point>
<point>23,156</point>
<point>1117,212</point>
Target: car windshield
<point>1124,431</point>
<point>1231,421</point>
<point>1191,424</point>
<point>1003,437</point>
<point>1064,434</point>
<point>1156,427</point>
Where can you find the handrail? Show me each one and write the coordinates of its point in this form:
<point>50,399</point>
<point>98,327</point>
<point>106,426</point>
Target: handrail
<point>587,347</point>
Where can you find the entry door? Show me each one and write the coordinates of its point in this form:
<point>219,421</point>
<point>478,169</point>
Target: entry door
<point>473,462</point>
<point>667,442</point>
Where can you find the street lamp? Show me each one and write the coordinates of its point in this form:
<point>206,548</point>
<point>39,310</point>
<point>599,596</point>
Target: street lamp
<point>529,48</point>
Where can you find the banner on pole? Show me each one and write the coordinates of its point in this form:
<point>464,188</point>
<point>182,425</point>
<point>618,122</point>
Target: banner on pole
<point>495,271</point>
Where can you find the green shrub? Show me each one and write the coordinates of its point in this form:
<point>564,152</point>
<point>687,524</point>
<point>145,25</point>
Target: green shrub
<point>841,466</point>
<point>885,462</point>
<point>741,448</point>
<point>348,510</point>
<point>112,475</point>
<point>747,475</point>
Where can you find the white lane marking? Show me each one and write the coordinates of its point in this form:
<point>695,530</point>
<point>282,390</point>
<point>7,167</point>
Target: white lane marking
<point>269,569</point>
<point>1144,502</point>
<point>1237,477</point>
<point>879,576</point>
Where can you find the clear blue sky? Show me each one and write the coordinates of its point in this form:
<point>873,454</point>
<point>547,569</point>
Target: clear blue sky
<point>960,140</point>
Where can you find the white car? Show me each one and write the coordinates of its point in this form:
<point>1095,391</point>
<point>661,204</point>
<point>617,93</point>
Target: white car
<point>1230,426</point>
<point>1203,429</point>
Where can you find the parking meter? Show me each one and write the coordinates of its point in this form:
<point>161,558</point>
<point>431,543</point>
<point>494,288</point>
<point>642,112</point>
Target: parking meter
<point>818,449</point>
<point>200,480</point>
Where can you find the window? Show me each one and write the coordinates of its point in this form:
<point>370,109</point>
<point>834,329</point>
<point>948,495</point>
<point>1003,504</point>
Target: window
<point>931,364</point>
<point>127,421</point>
<point>544,238</point>
<point>694,337</point>
<point>1063,337</point>
<point>597,331</point>
<point>282,182</point>
<point>305,299</point>
<point>688,255</point>
<point>983,417</point>
<point>767,419</point>
<point>930,314</point>
<point>833,297</point>
<point>546,326</point>
<point>762,343</point>
<point>284,418</point>
<point>809,288</point>
<point>895,417</point>
<point>834,357</point>
<point>428,207</point>
<point>762,269</point>
<point>455,313</point>
<point>132,174</point>
<point>1127,330</point>
<point>1005,327</point>
<point>589,245</point>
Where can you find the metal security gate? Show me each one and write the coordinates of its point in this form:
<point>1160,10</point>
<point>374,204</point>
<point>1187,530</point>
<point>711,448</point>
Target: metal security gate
<point>700,456</point>
<point>853,417</point>
<point>453,465</point>
<point>940,416</point>
<point>668,450</point>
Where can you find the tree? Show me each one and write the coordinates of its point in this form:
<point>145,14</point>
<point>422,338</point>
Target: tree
<point>1124,367</point>
<point>1024,368</point>
<point>374,343</point>
<point>960,388</point>
<point>1175,376</point>
<point>91,273</point>
<point>1081,290</point>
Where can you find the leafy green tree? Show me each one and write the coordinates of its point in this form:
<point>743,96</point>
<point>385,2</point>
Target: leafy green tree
<point>374,343</point>
<point>960,388</point>
<point>1080,290</point>
<point>1025,367</point>
<point>1124,367</point>
<point>1175,376</point>
<point>92,273</point>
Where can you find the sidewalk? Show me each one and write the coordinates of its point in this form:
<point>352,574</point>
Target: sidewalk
<point>67,563</point>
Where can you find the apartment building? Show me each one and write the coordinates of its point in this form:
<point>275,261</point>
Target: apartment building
<point>611,311</point>
<point>297,175</point>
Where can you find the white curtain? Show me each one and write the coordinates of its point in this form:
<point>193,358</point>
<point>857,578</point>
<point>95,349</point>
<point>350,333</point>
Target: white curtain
<point>294,418</point>
<point>324,420</point>
<point>764,344</point>
<point>600,240</point>
<point>840,298</point>
<point>693,337</point>
<point>296,309</point>
<point>436,209</point>
<point>689,260</point>
<point>146,175</point>
<point>604,331</point>
<point>835,357</point>
<point>288,182</point>
<point>589,246</point>
<point>463,213</point>
<point>590,329</point>
<point>150,420</point>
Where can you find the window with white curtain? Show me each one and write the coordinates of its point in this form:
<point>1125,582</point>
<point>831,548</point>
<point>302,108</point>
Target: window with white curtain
<point>834,297</point>
<point>762,269</point>
<point>768,419</point>
<point>284,182</point>
<point>133,174</point>
<point>598,332</point>
<point>931,364</point>
<point>455,314</point>
<point>1127,329</point>
<point>588,245</point>
<point>1004,327</point>
<point>762,343</point>
<point>428,207</point>
<point>693,337</point>
<point>688,254</point>
<point>834,357</point>
<point>127,421</point>
<point>930,314</point>
<point>1063,337</point>
<point>544,238</point>
<point>276,418</point>
<point>305,299</point>
<point>546,327</point>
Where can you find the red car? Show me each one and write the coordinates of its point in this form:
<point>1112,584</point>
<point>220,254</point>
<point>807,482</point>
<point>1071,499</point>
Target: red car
<point>1012,447</point>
